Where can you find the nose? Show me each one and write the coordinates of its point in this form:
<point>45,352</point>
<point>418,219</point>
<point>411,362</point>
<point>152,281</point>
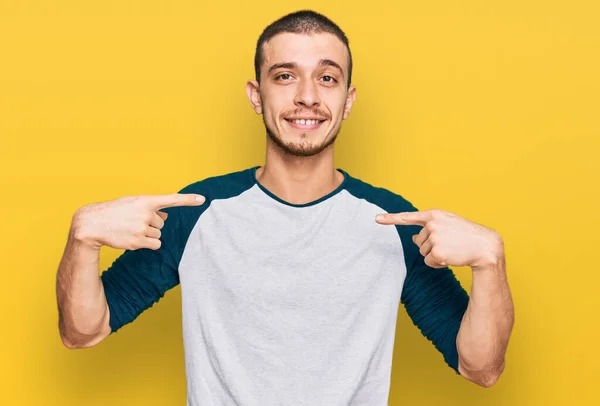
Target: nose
<point>307,94</point>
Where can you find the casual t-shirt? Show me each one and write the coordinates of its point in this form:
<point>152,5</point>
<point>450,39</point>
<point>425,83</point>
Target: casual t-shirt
<point>289,304</point>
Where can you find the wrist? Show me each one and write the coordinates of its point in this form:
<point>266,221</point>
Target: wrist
<point>493,258</point>
<point>495,268</point>
<point>81,234</point>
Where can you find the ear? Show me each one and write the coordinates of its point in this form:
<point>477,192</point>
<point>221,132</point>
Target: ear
<point>349,101</point>
<point>252,90</point>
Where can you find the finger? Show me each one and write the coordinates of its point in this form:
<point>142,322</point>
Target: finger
<point>176,200</point>
<point>158,221</point>
<point>420,238</point>
<point>152,232</point>
<point>419,218</point>
<point>151,243</point>
<point>426,247</point>
<point>432,262</point>
<point>429,261</point>
<point>162,215</point>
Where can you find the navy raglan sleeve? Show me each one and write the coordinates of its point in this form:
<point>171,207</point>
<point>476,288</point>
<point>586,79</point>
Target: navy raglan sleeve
<point>433,297</point>
<point>139,278</point>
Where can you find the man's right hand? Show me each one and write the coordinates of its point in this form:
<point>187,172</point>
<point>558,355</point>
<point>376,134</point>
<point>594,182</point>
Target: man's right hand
<point>130,223</point>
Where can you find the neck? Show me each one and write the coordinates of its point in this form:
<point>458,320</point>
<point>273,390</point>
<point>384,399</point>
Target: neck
<point>299,180</point>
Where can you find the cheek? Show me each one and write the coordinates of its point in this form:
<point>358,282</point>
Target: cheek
<point>272,105</point>
<point>337,104</point>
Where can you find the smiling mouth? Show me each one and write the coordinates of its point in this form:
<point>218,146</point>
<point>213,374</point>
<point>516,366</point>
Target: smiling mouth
<point>304,124</point>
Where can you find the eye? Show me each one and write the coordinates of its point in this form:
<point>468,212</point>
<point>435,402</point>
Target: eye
<point>329,79</point>
<point>283,76</point>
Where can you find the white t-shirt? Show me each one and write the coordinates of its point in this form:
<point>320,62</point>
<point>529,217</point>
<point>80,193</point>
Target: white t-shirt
<point>287,304</point>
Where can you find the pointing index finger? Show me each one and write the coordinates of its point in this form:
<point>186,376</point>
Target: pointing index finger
<point>406,218</point>
<point>177,200</point>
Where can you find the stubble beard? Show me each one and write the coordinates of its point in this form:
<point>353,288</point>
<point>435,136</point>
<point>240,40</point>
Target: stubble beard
<point>304,149</point>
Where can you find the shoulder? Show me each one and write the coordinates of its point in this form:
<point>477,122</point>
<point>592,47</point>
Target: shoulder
<point>389,202</point>
<point>222,186</point>
<point>386,199</point>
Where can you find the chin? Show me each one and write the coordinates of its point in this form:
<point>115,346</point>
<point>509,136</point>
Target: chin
<point>302,151</point>
<point>301,145</point>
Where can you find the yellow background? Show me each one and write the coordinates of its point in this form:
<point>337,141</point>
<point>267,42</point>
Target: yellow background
<point>486,109</point>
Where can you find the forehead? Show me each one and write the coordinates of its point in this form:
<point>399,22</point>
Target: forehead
<point>305,49</point>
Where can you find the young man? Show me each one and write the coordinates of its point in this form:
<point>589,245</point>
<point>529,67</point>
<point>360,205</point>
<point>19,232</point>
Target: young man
<point>291,273</point>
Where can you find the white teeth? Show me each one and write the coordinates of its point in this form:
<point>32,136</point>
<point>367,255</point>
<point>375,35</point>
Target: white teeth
<point>306,122</point>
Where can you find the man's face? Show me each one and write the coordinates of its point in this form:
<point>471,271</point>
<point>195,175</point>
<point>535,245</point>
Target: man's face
<point>303,94</point>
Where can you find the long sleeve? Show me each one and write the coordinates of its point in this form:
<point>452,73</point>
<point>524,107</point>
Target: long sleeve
<point>435,301</point>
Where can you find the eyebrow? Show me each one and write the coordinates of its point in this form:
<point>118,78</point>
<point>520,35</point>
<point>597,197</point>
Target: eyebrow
<point>329,62</point>
<point>293,65</point>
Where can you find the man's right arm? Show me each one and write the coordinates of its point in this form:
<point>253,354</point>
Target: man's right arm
<point>130,223</point>
<point>83,310</point>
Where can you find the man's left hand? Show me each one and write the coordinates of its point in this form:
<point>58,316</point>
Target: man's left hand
<point>450,240</point>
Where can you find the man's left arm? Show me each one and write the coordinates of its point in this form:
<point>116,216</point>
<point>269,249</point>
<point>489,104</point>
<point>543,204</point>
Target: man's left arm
<point>486,326</point>
<point>446,240</point>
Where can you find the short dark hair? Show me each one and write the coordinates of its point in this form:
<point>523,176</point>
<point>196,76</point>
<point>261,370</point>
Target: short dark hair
<point>300,22</point>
